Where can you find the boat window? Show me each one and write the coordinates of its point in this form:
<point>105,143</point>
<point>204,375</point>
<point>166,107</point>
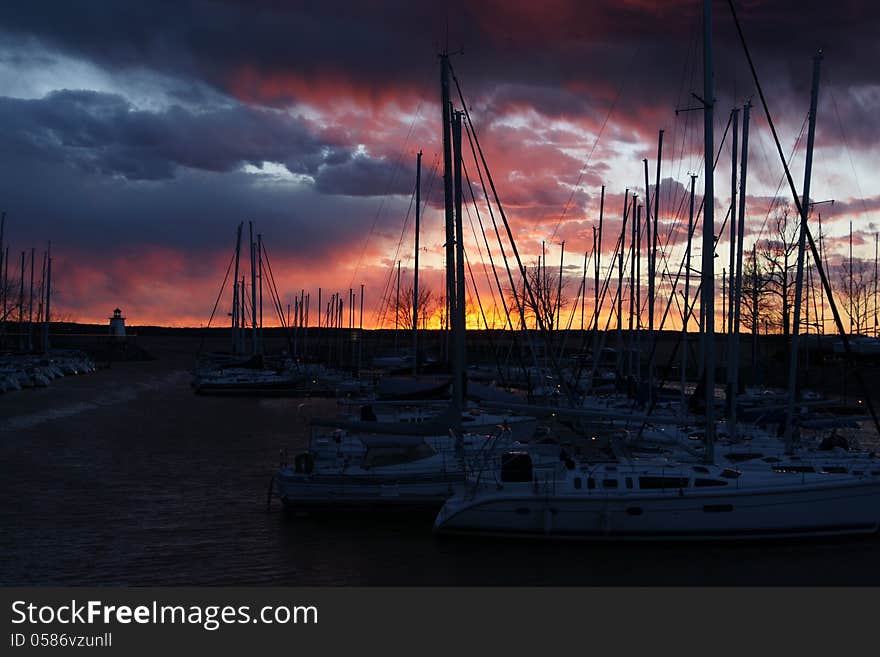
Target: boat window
<point>609,483</point>
<point>703,483</point>
<point>381,456</point>
<point>788,467</point>
<point>701,469</point>
<point>771,459</point>
<point>578,483</point>
<point>834,469</point>
<point>727,473</point>
<point>634,510</point>
<point>743,456</point>
<point>651,483</point>
<point>718,508</point>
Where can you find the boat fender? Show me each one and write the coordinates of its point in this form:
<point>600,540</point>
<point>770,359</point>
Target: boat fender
<point>304,463</point>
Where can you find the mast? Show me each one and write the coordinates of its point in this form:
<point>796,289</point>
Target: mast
<point>708,268</point>
<point>397,308</point>
<point>597,255</point>
<point>651,363</point>
<point>687,297</point>
<point>48,295</point>
<point>236,310</point>
<point>559,288</point>
<point>851,305</point>
<point>253,289</point>
<point>459,382</point>
<point>805,206</point>
<point>260,275</point>
<point>730,394</point>
<point>632,285</point>
<point>2,277</point>
<point>876,237</point>
<point>638,299</point>
<point>737,290</point>
<point>21,307</point>
<point>415,320</point>
<point>31,305</point>
<point>620,286</point>
<point>584,281</point>
<point>448,196</point>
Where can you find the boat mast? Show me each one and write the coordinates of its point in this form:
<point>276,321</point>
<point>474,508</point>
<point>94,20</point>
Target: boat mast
<point>397,309</point>
<point>458,326</point>
<point>415,320</point>
<point>799,278</point>
<point>649,244</point>
<point>446,107</point>
<point>730,396</point>
<point>651,363</point>
<point>687,297</point>
<point>708,268</point>
<point>620,286</point>
<point>31,305</point>
<point>597,256</point>
<point>235,307</point>
<point>737,290</point>
<point>253,289</point>
<point>48,294</point>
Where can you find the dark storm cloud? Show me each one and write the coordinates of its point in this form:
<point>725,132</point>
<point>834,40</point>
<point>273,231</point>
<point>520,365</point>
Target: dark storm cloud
<point>104,134</point>
<point>587,47</point>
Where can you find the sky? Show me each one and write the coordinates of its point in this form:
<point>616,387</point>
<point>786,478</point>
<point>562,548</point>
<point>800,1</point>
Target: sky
<point>136,136</point>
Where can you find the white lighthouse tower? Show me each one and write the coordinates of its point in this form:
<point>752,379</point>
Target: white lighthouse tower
<point>117,325</point>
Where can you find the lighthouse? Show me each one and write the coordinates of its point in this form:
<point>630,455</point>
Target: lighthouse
<point>117,325</point>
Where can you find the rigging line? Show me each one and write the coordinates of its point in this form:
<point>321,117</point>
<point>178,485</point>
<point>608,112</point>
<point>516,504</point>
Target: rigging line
<point>586,166</point>
<point>664,258</point>
<point>385,300</point>
<point>216,303</point>
<point>483,313</point>
<point>805,227</point>
<point>222,287</point>
<point>528,287</point>
<point>391,178</point>
<point>273,288</point>
<point>385,297</point>
<point>476,239</point>
<point>517,339</point>
<point>846,146</point>
<point>513,287</point>
<point>775,200</point>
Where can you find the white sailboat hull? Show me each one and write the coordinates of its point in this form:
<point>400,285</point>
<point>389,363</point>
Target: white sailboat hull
<point>851,507</point>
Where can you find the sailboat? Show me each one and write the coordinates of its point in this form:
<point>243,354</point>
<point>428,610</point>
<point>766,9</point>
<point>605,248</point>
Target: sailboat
<point>404,464</point>
<point>785,493</point>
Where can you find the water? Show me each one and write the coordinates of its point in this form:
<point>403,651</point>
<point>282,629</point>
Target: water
<point>125,477</point>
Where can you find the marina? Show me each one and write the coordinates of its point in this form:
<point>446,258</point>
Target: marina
<point>484,416</point>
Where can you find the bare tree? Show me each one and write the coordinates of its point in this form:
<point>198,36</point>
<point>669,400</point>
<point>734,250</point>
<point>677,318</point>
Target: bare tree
<point>856,289</point>
<point>779,259</point>
<point>755,298</point>
<point>403,307</point>
<point>546,300</point>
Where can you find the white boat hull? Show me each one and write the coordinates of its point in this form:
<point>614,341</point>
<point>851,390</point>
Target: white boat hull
<point>851,507</point>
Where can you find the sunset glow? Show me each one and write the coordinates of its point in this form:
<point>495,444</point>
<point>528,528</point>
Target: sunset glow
<point>137,140</point>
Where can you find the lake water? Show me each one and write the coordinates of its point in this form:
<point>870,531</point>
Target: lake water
<point>125,477</point>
